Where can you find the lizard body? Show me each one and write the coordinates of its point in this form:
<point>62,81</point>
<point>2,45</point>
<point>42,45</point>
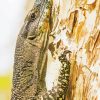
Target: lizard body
<point>30,62</point>
<point>31,47</point>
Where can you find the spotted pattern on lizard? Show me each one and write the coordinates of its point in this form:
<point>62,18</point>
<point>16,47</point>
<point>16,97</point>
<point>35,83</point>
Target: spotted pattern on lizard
<point>31,52</point>
<point>31,58</point>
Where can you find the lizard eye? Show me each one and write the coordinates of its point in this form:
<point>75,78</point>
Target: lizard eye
<point>33,16</point>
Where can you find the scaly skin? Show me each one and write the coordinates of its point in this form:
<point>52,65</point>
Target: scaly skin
<point>31,52</point>
<point>30,62</point>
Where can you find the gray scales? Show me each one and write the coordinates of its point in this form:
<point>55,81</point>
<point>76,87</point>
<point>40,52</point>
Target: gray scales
<point>30,61</point>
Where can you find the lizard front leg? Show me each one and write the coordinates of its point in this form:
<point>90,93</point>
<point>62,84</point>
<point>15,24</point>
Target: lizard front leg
<point>59,92</point>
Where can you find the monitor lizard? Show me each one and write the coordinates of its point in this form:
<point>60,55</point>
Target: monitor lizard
<point>30,61</point>
<point>31,52</point>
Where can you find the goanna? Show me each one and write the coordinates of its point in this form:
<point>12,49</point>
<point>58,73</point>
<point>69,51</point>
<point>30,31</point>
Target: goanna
<point>31,52</point>
<point>31,58</point>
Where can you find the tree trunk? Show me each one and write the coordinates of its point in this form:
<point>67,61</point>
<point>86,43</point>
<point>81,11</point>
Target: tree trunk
<point>79,21</point>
